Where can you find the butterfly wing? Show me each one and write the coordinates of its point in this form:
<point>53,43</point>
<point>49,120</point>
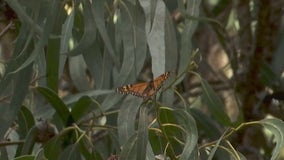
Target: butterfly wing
<point>134,89</point>
<point>158,82</point>
<point>146,89</point>
<point>155,85</point>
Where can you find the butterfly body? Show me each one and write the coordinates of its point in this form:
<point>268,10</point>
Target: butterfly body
<point>145,89</point>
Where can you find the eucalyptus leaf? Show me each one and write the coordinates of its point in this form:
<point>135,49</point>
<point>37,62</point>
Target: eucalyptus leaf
<point>156,40</point>
<point>8,112</point>
<point>276,127</point>
<point>142,135</point>
<point>56,103</point>
<point>129,148</point>
<point>214,103</point>
<point>127,117</point>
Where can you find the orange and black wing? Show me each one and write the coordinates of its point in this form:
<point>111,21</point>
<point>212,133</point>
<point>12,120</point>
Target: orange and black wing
<point>158,82</point>
<point>134,89</point>
<point>146,89</point>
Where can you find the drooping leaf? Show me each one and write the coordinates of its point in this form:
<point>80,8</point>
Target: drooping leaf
<point>84,106</point>
<point>206,124</point>
<point>142,135</point>
<point>191,135</point>
<point>78,74</point>
<point>129,148</point>
<point>192,8</point>
<point>59,106</point>
<point>156,40</point>
<point>125,27</point>
<point>127,117</point>
<point>91,93</point>
<point>26,122</point>
<point>8,112</point>
<point>214,104</point>
<point>26,157</point>
<point>170,131</point>
<point>30,141</point>
<point>65,40</point>
<point>89,31</point>
<point>53,148</point>
<point>71,152</point>
<point>98,14</point>
<point>276,127</point>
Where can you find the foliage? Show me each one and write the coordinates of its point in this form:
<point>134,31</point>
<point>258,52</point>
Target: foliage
<point>58,81</point>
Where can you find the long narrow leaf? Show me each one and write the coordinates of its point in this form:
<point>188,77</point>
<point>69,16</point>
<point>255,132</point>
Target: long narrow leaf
<point>129,148</point>
<point>189,28</point>
<point>126,118</point>
<point>59,106</point>
<point>142,136</point>
<point>189,125</point>
<point>89,33</point>
<point>276,127</point>
<point>214,104</point>
<point>156,40</point>
<point>8,112</point>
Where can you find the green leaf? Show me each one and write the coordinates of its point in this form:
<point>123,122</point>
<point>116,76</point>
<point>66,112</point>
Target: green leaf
<point>156,40</point>
<point>81,107</point>
<point>192,8</point>
<point>131,33</point>
<point>206,124</point>
<point>171,56</point>
<point>30,141</point>
<point>276,127</point>
<point>94,62</point>
<point>84,147</point>
<point>52,64</point>
<point>110,101</point>
<point>129,148</point>
<point>171,131</point>
<point>84,106</point>
<point>142,136</point>
<point>125,27</point>
<point>26,157</point>
<point>107,71</point>
<point>78,74</point>
<point>59,106</point>
<point>98,14</point>
<point>54,26</point>
<point>65,40</point>
<point>89,31</point>
<point>8,112</point>
<point>71,152</point>
<point>22,50</point>
<point>191,135</point>
<point>127,117</point>
<point>39,44</point>
<point>25,120</point>
<point>67,32</point>
<point>149,153</point>
<point>24,17</point>
<point>140,45</point>
<point>91,93</point>
<point>53,148</point>
<point>214,104</point>
<point>217,145</point>
<point>156,141</point>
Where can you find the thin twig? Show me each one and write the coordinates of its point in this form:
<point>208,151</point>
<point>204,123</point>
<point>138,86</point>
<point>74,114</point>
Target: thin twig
<point>6,29</point>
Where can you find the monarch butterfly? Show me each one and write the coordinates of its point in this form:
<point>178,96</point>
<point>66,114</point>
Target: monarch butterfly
<point>146,89</point>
